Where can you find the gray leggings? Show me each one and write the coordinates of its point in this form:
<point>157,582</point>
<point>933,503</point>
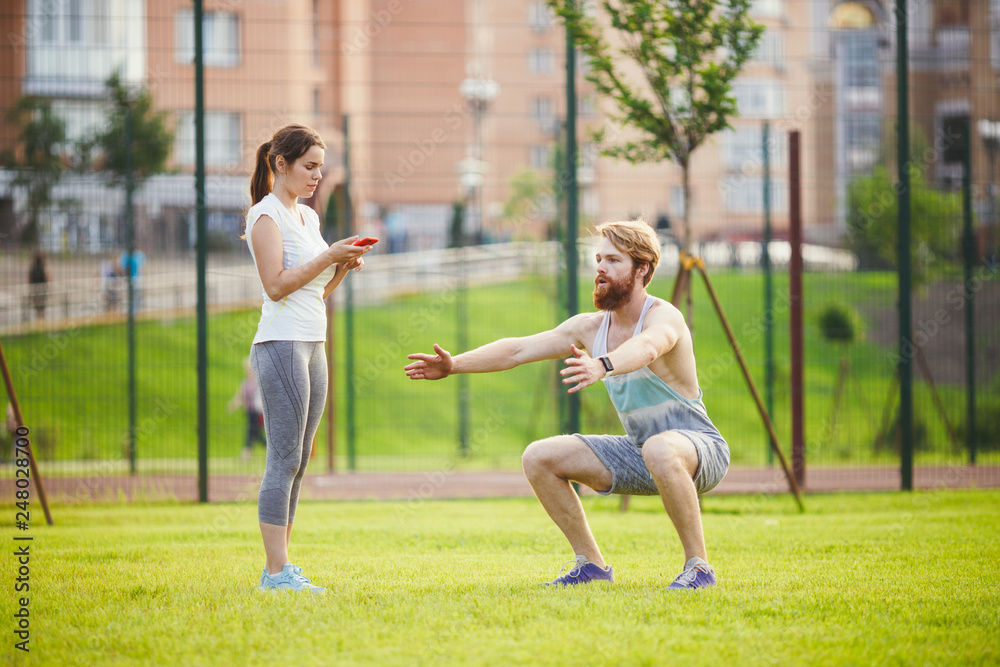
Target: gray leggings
<point>292,378</point>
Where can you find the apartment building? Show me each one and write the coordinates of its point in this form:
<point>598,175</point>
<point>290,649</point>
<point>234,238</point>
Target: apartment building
<point>266,64</point>
<point>448,100</point>
<point>954,79</point>
<point>427,145</point>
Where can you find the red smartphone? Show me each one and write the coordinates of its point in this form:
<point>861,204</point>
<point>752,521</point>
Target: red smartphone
<point>366,241</point>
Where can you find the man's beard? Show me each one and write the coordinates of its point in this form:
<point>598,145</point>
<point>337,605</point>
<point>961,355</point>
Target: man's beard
<point>614,295</point>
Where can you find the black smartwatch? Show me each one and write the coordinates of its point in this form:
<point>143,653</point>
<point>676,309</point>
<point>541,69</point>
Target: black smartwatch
<point>607,364</point>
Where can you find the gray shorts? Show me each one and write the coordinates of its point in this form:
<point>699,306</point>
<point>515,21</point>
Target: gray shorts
<point>630,476</point>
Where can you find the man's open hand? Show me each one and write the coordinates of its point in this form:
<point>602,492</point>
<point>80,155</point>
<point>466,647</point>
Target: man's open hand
<point>581,370</point>
<point>430,366</point>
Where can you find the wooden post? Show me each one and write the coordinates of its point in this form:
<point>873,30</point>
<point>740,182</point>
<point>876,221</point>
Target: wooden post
<point>35,475</point>
<point>795,312</point>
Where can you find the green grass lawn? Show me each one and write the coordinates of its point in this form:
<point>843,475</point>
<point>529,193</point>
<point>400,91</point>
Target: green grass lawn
<point>72,383</point>
<point>895,579</point>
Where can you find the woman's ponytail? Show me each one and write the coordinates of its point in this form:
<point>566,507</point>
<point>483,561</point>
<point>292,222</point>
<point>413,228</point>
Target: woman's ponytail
<point>263,178</point>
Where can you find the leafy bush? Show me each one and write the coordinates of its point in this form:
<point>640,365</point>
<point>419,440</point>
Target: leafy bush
<point>839,324</point>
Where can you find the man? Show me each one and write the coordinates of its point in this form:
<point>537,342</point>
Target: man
<point>641,348</point>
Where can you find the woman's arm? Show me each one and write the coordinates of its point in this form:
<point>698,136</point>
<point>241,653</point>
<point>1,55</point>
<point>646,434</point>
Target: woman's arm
<point>278,281</point>
<point>338,276</point>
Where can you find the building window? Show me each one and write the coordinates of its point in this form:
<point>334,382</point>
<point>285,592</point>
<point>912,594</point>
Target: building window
<point>766,8</point>
<point>315,33</point>
<point>677,200</point>
<point>745,194</point>
<point>859,52</point>
<point>582,63</point>
<point>586,106</point>
<point>586,170</point>
<point>953,132</point>
<point>541,61</point>
<point>540,156</point>
<point>74,22</point>
<point>862,137</point>
<point>221,34</point>
<point>222,139</point>
<point>743,149</point>
<point>540,16</point>
<point>770,50</point>
<point>71,22</point>
<point>759,98</point>
<point>543,112</point>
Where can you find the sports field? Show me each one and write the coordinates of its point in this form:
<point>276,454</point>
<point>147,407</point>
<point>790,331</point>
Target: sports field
<point>892,578</point>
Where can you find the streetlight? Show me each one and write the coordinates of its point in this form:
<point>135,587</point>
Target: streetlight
<point>478,93</point>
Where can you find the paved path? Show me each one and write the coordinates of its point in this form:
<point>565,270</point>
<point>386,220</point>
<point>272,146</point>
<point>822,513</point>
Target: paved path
<point>414,487</point>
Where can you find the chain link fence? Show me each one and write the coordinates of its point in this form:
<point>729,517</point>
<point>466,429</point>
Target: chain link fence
<point>443,124</point>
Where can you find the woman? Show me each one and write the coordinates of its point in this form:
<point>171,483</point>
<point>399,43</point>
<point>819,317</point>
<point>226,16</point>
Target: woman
<point>297,270</point>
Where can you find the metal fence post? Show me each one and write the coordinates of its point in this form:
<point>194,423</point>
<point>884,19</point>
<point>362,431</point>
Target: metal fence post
<point>903,248</point>
<point>768,292</point>
<point>199,207</point>
<point>968,257</point>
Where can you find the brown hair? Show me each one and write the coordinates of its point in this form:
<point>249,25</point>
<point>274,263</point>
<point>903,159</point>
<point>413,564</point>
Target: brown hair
<point>291,142</point>
<point>636,239</point>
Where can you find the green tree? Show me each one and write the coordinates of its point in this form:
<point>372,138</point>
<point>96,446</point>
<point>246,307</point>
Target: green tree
<point>668,66</point>
<point>108,150</point>
<point>531,199</point>
<point>39,161</point>
<point>935,222</point>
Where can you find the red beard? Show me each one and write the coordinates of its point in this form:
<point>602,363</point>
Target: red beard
<point>612,295</point>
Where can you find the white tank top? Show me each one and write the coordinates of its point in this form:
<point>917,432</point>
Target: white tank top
<point>302,314</point>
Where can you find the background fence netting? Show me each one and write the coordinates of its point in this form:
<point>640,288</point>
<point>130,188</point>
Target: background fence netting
<point>444,125</point>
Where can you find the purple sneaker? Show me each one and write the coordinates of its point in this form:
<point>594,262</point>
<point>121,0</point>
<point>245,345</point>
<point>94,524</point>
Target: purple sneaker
<point>697,574</point>
<point>582,572</point>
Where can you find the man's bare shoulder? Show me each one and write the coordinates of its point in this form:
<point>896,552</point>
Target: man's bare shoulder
<point>664,311</point>
<point>583,326</point>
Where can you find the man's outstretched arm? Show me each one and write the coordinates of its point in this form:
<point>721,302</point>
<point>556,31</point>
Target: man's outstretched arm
<point>499,355</point>
<point>663,329</point>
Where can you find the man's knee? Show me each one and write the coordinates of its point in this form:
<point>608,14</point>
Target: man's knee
<point>665,453</point>
<point>543,455</point>
<point>536,457</point>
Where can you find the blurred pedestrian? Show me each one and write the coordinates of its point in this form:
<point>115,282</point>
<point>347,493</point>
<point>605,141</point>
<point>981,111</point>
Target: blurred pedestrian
<point>38,278</point>
<point>248,398</point>
<point>297,270</point>
<point>110,273</point>
<point>130,264</point>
